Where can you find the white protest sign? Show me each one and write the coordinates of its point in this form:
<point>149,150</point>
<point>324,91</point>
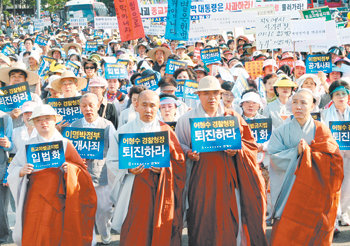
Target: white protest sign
<point>344,36</point>
<point>106,23</point>
<point>268,10</point>
<point>78,14</point>
<point>46,21</point>
<point>38,24</point>
<point>273,31</point>
<point>228,21</point>
<point>76,22</point>
<point>286,7</point>
<point>308,29</point>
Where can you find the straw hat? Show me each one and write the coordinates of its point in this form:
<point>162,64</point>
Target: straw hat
<point>44,110</point>
<point>32,77</point>
<point>152,53</point>
<point>209,83</point>
<point>56,84</point>
<point>66,47</point>
<point>284,81</point>
<point>5,59</point>
<point>53,50</point>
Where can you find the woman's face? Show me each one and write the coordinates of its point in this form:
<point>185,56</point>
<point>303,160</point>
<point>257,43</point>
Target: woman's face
<point>183,75</point>
<point>269,85</point>
<point>309,84</point>
<point>32,62</point>
<point>250,108</point>
<point>168,112</point>
<point>90,70</point>
<point>113,85</point>
<point>284,91</point>
<point>227,98</point>
<point>340,99</point>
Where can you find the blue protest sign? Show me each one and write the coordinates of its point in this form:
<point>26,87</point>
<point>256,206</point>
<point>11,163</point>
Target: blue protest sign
<point>147,149</point>
<point>190,89</point>
<point>13,96</point>
<point>69,108</point>
<point>98,33</point>
<point>215,134</point>
<point>172,65</point>
<point>180,88</point>
<point>45,64</point>
<point>210,55</point>
<point>91,46</point>
<point>87,141</point>
<point>125,89</point>
<point>115,71</point>
<point>8,50</point>
<point>341,133</point>
<point>2,128</point>
<point>151,82</point>
<point>73,67</point>
<point>41,40</point>
<point>178,19</point>
<point>316,63</point>
<point>45,155</point>
<point>261,129</point>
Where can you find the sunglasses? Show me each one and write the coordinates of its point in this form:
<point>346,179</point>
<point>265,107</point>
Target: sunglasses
<point>89,67</point>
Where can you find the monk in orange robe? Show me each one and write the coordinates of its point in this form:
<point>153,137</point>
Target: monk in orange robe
<point>306,208</point>
<point>54,206</point>
<point>226,190</point>
<point>152,197</point>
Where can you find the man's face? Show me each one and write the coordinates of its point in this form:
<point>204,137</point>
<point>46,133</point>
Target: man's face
<point>28,45</point>
<point>200,75</point>
<point>68,85</point>
<point>302,105</point>
<point>45,124</point>
<point>142,50</point>
<point>56,55</point>
<point>210,100</point>
<point>17,77</point>
<point>159,56</point>
<point>147,106</point>
<point>89,108</point>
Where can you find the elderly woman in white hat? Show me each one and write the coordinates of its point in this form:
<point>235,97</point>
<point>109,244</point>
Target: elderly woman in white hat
<point>98,86</point>
<point>27,187</point>
<point>251,103</point>
<point>33,61</point>
<point>27,131</point>
<point>69,84</point>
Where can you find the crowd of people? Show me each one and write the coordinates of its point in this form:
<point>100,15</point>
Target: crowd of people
<point>297,182</point>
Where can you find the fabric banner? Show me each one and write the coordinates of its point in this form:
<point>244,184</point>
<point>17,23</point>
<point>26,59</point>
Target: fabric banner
<point>215,134</point>
<point>41,40</point>
<point>172,65</point>
<point>13,96</point>
<point>69,108</point>
<point>292,8</point>
<point>341,133</point>
<point>147,149</point>
<point>87,141</point>
<point>261,129</point>
<point>115,71</point>
<point>129,20</point>
<point>316,63</point>
<point>178,19</point>
<point>45,155</point>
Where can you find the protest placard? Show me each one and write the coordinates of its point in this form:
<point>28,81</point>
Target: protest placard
<point>178,19</point>
<point>41,40</point>
<point>69,108</point>
<point>172,65</point>
<point>73,67</point>
<point>273,32</point>
<point>8,50</point>
<point>99,33</point>
<point>190,89</point>
<point>261,129</point>
<point>315,13</point>
<point>308,29</point>
<point>91,46</point>
<point>104,22</point>
<point>88,142</point>
<point>151,82</point>
<point>180,88</point>
<point>344,36</point>
<point>45,155</point>
<point>287,61</point>
<point>254,68</point>
<point>45,63</point>
<point>147,149</point>
<point>125,88</point>
<point>292,8</point>
<point>316,63</point>
<point>341,133</point>
<point>215,134</point>
<point>13,96</point>
<point>115,71</point>
<point>78,22</point>
<point>210,55</point>
<point>154,28</point>
<point>129,20</point>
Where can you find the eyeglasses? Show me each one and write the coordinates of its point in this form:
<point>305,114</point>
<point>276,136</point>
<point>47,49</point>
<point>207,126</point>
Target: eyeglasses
<point>90,68</point>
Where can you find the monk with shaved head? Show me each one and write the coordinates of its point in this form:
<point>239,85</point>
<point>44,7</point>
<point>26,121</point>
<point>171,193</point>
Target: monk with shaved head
<point>148,202</point>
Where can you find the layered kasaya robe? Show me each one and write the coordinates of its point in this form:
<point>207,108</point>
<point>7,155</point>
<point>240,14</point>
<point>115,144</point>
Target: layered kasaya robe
<point>306,208</point>
<point>148,206</point>
<point>226,195</point>
<point>53,207</point>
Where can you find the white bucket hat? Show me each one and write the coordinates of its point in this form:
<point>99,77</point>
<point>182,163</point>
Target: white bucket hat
<point>44,110</point>
<point>56,84</point>
<point>209,83</point>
